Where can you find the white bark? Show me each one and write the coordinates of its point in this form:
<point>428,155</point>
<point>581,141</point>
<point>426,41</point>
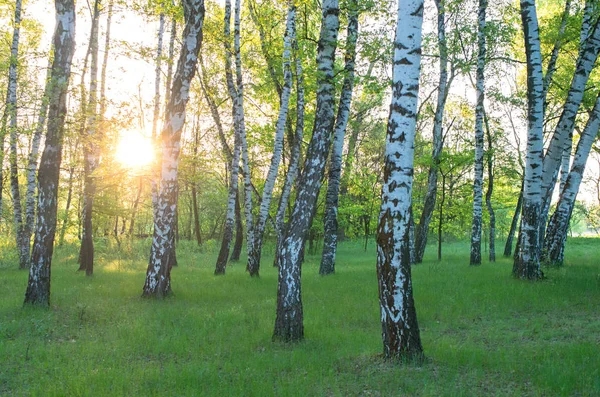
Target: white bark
<point>479,115</point>
<point>400,331</point>
<point>527,263</point>
<point>556,235</point>
<point>289,318</point>
<point>255,251</point>
<point>38,285</point>
<point>158,275</point>
<point>296,150</point>
<point>11,108</point>
<point>339,131</point>
<point>566,124</point>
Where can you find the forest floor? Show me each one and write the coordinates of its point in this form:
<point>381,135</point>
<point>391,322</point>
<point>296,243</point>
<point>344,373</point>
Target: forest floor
<point>484,333</point>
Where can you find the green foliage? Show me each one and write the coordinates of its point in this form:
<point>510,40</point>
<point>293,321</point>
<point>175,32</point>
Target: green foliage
<point>483,332</point>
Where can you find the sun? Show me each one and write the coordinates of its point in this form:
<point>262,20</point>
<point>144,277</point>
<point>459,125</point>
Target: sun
<point>134,150</point>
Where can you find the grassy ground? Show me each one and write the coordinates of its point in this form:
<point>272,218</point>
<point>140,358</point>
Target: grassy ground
<point>484,333</point>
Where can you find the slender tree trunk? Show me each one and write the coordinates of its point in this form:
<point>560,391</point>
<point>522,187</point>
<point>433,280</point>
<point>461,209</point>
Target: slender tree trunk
<point>556,235</point>
<point>239,230</point>
<point>259,229</point>
<point>551,68</point>
<point>479,141</point>
<point>441,216</point>
<point>527,263</point>
<point>134,208</point>
<point>90,152</point>
<point>65,221</point>
<point>330,219</point>
<point>565,164</point>
<point>33,163</point>
<point>158,275</point>
<point>3,125</point>
<point>11,107</point>
<point>289,318</point>
<point>490,190</point>
<point>513,226</point>
<point>296,151</point>
<point>400,329</point>
<point>233,184</point>
<point>241,125</point>
<point>566,123</point>
<point>422,229</point>
<point>38,285</point>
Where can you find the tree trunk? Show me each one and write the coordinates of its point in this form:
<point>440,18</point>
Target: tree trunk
<point>158,275</point>
<point>38,285</point>
<point>490,190</point>
<point>556,235</point>
<point>65,221</point>
<point>239,116</point>
<point>400,330</point>
<point>479,141</point>
<point>259,229</point>
<point>441,216</point>
<point>422,229</point>
<point>296,151</point>
<point>551,68</point>
<point>513,225</point>
<point>330,219</point>
<point>233,184</point>
<point>11,108</point>
<point>90,152</point>
<point>289,325</point>
<point>239,230</point>
<point>564,129</point>
<point>33,162</point>
<point>134,208</point>
<point>527,263</point>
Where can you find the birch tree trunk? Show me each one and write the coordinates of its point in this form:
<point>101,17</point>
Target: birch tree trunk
<point>527,261</point>
<point>556,235</point>
<point>513,225</point>
<point>330,219</point>
<point>38,285</point>
<point>33,162</point>
<point>239,230</point>
<point>11,108</point>
<point>289,318</point>
<point>241,123</point>
<point>296,151</point>
<point>566,123</point>
<point>259,230</point>
<point>422,229</point>
<point>400,330</point>
<point>90,152</point>
<point>490,190</point>
<point>551,68</point>
<point>235,157</point>
<point>479,141</point>
<point>158,275</point>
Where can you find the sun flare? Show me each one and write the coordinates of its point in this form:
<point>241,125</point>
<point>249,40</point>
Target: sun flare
<point>134,150</point>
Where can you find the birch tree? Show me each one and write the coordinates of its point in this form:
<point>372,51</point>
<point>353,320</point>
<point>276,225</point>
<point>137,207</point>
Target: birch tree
<point>38,285</point>
<point>11,109</point>
<point>158,274</point>
<point>259,230</point>
<point>556,235</point>
<point>400,330</point>
<point>566,123</point>
<point>295,153</point>
<point>90,151</point>
<point>330,220</point>
<point>527,260</point>
<point>289,317</point>
<point>422,229</point>
<point>479,140</point>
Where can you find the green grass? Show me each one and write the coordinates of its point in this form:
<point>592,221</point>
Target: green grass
<point>484,333</point>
